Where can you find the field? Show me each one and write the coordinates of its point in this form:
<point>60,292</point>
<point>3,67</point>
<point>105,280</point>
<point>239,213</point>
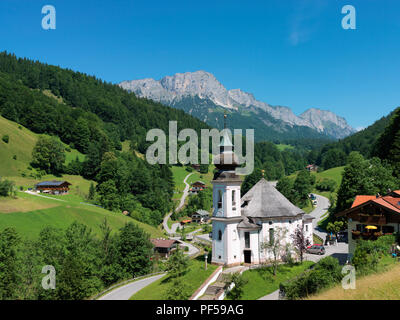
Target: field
<point>261,282</point>
<point>380,286</point>
<point>193,278</point>
<point>29,214</point>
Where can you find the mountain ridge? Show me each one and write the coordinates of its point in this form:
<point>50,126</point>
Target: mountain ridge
<point>171,90</point>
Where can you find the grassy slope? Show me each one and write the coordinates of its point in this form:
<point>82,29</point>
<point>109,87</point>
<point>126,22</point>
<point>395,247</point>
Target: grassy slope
<point>21,144</point>
<point>193,278</point>
<point>29,214</point>
<point>262,282</point>
<point>60,214</point>
<point>380,286</point>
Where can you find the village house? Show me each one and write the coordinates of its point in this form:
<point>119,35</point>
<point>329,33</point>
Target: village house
<point>164,247</point>
<point>371,217</point>
<point>198,186</point>
<point>53,187</point>
<point>242,224</point>
<point>312,168</point>
<point>200,216</point>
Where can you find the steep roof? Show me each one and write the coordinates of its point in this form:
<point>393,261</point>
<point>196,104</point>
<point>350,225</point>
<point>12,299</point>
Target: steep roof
<point>388,202</point>
<point>362,199</point>
<point>264,201</point>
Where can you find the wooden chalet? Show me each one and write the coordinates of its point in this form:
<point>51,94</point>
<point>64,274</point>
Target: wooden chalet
<point>198,186</point>
<point>372,216</point>
<point>164,247</point>
<point>53,187</point>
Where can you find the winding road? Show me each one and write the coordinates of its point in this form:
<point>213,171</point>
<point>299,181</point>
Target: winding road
<point>127,291</point>
<point>181,204</point>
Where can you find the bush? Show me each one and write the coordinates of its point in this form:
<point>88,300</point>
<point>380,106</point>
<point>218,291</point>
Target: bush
<point>367,253</point>
<point>326,185</point>
<point>5,138</point>
<point>326,272</point>
<point>15,157</point>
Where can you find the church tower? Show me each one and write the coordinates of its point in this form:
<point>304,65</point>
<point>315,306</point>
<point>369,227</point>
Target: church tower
<point>226,204</point>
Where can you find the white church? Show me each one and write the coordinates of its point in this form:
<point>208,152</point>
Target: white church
<point>241,224</point>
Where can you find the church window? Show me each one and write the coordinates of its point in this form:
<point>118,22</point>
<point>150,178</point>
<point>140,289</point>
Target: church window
<point>306,227</point>
<point>290,221</point>
<point>219,235</point>
<point>271,236</point>
<point>270,222</point>
<point>247,239</point>
<point>233,197</point>
<point>219,199</point>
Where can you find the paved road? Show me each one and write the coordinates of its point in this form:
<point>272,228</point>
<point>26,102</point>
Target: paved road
<point>323,205</point>
<point>339,251</point>
<point>181,204</point>
<point>127,291</point>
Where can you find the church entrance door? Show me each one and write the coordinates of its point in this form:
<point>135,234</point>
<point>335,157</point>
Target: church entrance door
<point>247,256</point>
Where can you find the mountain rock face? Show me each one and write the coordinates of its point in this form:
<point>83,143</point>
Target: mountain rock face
<point>202,95</point>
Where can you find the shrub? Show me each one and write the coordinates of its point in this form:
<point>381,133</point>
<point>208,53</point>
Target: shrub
<point>326,272</point>
<point>367,253</point>
<point>326,185</point>
<point>5,138</point>
<point>15,157</point>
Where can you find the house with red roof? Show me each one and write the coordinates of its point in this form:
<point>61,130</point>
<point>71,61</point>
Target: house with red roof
<point>371,217</point>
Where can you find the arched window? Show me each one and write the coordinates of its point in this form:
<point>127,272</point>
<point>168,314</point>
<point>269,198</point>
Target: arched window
<point>233,197</point>
<point>219,199</point>
<point>219,235</point>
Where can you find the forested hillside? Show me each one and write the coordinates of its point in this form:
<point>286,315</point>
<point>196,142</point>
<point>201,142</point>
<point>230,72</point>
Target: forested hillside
<point>334,154</point>
<point>94,117</point>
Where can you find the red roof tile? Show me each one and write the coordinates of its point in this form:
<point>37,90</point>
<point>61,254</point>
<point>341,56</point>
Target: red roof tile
<point>362,199</point>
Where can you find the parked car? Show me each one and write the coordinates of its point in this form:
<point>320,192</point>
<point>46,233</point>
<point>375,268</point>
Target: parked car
<point>312,196</point>
<point>316,249</point>
<point>314,202</point>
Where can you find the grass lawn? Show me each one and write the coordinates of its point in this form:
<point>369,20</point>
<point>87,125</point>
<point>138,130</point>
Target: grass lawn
<point>194,278</point>
<point>29,214</point>
<point>384,285</point>
<point>262,282</point>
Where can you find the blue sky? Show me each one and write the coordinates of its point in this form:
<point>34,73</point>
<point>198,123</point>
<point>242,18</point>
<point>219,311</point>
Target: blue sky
<point>293,53</point>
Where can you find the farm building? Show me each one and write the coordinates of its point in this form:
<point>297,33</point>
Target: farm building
<point>53,187</point>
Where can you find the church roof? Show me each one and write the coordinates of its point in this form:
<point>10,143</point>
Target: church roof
<point>264,201</point>
<point>247,224</point>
